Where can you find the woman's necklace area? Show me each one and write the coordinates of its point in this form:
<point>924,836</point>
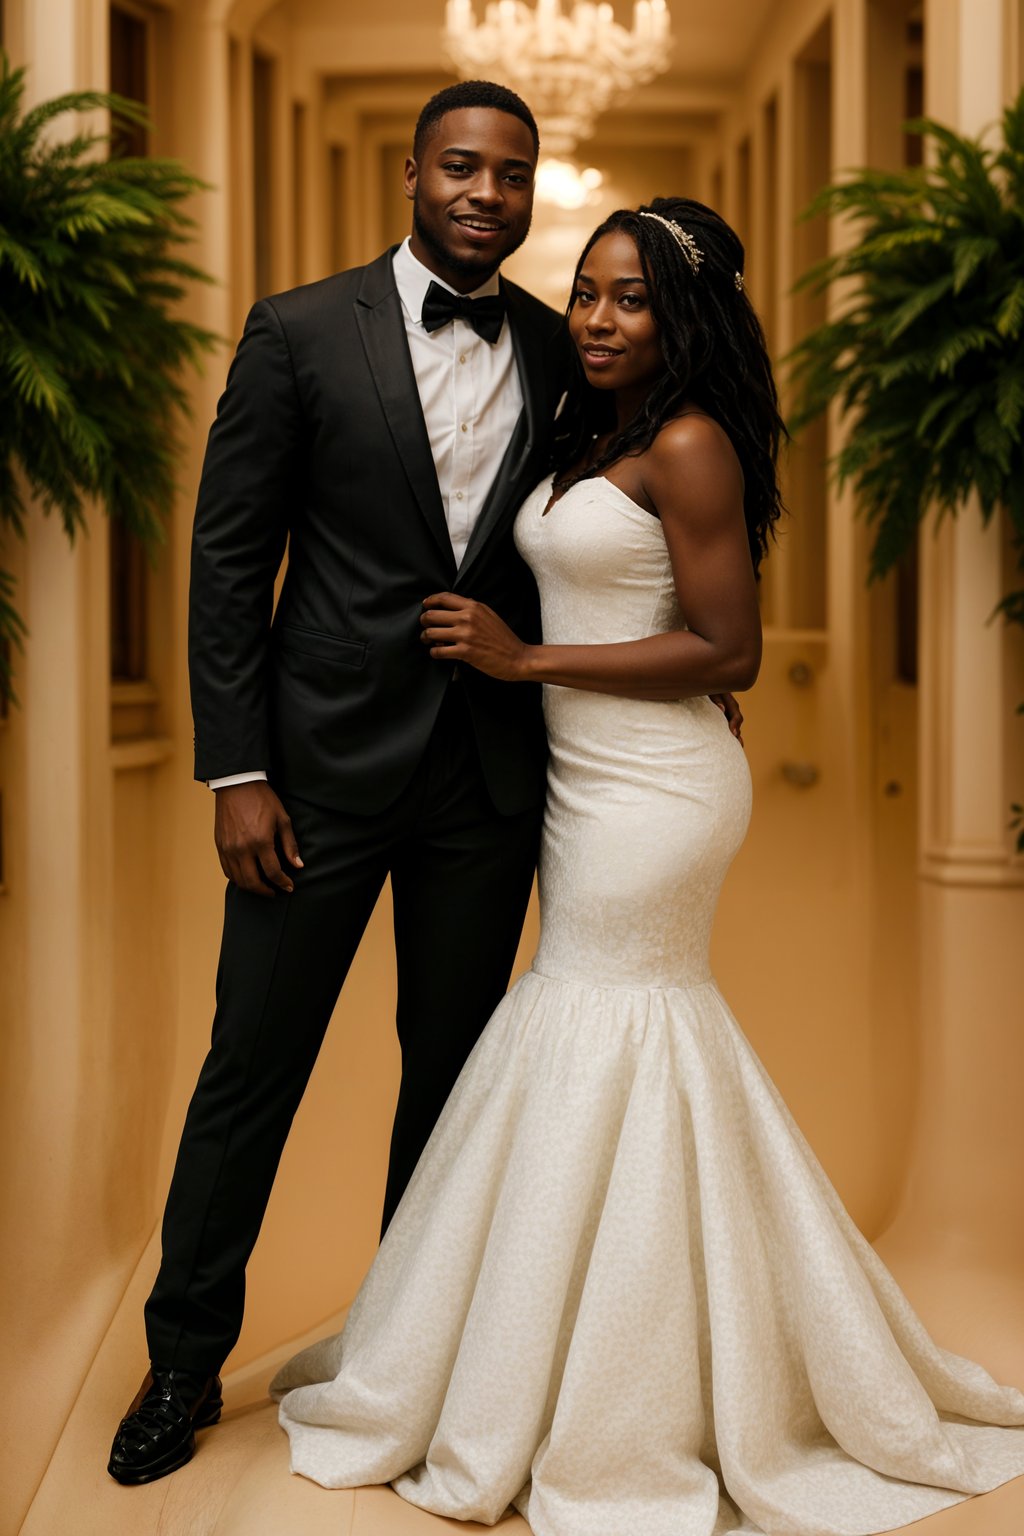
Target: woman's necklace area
<point>592,454</point>
<point>566,481</point>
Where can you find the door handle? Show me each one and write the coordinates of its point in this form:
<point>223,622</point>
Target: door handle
<point>801,775</point>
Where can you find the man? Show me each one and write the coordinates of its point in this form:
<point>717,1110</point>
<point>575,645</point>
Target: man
<point>386,422</point>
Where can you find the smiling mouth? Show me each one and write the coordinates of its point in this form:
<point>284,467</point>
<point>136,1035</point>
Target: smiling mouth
<point>482,226</point>
<point>593,350</point>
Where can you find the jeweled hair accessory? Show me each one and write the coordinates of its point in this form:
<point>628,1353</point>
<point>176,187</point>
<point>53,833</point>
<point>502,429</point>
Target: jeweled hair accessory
<point>737,278</point>
<point>685,241</point>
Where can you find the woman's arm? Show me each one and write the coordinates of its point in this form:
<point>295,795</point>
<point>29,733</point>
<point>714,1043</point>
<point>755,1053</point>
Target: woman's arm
<point>693,479</point>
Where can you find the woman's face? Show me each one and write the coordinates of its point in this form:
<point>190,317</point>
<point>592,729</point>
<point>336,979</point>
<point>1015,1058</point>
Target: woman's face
<point>611,320</point>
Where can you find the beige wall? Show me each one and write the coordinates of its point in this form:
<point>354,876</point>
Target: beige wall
<point>109,921</point>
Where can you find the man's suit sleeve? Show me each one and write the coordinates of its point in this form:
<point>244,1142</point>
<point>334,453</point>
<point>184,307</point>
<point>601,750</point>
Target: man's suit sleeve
<point>251,475</point>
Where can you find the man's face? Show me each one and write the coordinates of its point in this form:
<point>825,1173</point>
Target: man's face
<point>472,194</point>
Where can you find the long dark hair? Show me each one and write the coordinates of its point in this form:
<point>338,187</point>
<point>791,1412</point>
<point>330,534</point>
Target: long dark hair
<point>715,357</point>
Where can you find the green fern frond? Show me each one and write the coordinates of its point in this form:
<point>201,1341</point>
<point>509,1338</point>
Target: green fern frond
<point>1010,399</point>
<point>993,440</point>
<point>889,242</point>
<point>91,348</point>
<point>1010,314</point>
<point>36,377</point>
<point>926,359</point>
<point>933,410</point>
<point>22,262</point>
<point>969,255</point>
<point>915,305</point>
<point>953,350</point>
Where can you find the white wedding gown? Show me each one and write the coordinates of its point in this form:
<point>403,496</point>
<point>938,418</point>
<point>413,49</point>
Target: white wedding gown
<point>620,1293</point>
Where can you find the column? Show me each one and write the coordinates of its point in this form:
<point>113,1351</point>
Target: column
<point>958,1233</point>
<point>56,1084</point>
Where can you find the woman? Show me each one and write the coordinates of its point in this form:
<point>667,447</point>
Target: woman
<point>620,1292</point>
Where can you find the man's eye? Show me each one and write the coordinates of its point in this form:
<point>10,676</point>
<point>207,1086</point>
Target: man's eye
<point>456,167</point>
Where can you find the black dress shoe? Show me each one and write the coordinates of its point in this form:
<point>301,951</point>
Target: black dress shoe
<point>158,1433</point>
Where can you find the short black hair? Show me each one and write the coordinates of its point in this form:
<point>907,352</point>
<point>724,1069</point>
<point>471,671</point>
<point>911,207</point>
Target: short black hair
<point>471,93</point>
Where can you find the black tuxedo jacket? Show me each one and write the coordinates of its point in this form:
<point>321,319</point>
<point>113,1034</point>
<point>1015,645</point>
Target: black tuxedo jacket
<point>320,444</point>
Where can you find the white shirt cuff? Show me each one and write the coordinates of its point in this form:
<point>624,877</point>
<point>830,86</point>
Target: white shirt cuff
<point>237,778</point>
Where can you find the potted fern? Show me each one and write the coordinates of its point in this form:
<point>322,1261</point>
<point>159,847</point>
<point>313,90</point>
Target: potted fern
<point>91,350</point>
<point>927,356</point>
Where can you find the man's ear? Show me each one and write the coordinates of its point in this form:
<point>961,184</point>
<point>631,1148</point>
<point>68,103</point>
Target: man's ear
<point>409,178</point>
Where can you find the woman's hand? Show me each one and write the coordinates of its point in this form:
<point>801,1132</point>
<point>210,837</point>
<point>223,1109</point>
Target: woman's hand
<point>457,629</point>
<point>732,712</point>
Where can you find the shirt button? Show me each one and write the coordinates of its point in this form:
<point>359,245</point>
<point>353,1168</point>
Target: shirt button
<point>465,427</point>
<point>462,357</point>
<point>458,495</point>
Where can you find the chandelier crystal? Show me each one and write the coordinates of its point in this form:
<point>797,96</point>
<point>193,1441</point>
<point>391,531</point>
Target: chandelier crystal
<point>569,68</point>
<point>562,183</point>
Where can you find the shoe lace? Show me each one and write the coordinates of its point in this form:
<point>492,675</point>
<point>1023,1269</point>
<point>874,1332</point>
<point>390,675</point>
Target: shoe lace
<point>161,1409</point>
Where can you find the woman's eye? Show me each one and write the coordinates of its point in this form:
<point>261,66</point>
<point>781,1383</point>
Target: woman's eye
<point>631,300</point>
<point>582,297</point>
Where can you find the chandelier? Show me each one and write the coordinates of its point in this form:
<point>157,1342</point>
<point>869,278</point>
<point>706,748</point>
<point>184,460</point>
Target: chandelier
<point>569,68</point>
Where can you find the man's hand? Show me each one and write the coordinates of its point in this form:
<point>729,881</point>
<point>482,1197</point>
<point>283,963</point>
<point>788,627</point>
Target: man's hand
<point>731,710</point>
<point>248,820</point>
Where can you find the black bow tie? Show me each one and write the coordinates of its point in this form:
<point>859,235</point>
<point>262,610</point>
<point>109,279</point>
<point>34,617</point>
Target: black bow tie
<point>484,315</point>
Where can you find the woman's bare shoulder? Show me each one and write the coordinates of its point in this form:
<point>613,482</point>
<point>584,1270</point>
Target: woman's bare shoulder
<point>692,453</point>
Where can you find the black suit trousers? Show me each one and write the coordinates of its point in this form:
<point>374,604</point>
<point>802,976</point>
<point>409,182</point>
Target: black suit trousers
<point>461,877</point>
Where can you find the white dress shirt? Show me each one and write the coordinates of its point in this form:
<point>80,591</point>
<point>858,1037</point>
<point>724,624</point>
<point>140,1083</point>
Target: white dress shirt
<point>470,394</point>
<point>471,398</point>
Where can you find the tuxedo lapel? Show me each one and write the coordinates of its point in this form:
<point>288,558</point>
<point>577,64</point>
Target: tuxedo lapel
<point>378,312</point>
<point>528,346</point>
<point>529,354</point>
